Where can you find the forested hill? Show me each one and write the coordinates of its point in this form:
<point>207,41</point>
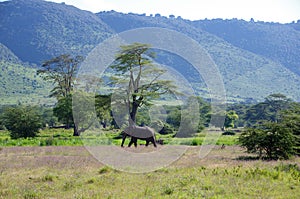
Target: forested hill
<point>37,30</point>
<point>7,55</point>
<point>255,59</point>
<point>247,74</point>
<point>279,42</point>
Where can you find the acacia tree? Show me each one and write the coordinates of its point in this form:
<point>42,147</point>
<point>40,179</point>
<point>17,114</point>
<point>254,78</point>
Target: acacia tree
<point>269,110</point>
<point>61,72</point>
<point>134,65</point>
<point>272,140</point>
<point>279,136</point>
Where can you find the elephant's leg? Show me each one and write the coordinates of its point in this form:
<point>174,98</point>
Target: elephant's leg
<point>135,143</point>
<point>123,139</point>
<point>130,143</point>
<point>147,142</point>
<point>153,141</point>
<point>133,140</point>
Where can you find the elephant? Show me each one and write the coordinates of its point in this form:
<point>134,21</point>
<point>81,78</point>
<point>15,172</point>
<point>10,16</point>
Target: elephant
<point>138,132</point>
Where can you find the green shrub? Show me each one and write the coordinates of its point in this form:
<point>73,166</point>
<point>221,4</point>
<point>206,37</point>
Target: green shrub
<point>196,142</point>
<point>270,140</point>
<point>21,121</point>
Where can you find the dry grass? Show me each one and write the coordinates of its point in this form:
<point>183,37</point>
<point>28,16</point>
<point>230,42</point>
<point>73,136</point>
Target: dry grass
<point>71,172</point>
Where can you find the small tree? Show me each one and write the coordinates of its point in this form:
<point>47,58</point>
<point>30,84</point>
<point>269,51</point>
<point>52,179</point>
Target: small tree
<point>230,118</point>
<point>103,109</point>
<point>271,140</point>
<point>63,111</point>
<point>22,121</point>
<point>79,103</point>
<point>291,119</point>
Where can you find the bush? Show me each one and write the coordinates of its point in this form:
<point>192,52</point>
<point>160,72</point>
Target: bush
<point>167,129</point>
<point>21,121</point>
<point>271,140</point>
<point>228,132</point>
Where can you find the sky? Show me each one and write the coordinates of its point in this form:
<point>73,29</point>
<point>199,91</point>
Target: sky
<point>283,11</point>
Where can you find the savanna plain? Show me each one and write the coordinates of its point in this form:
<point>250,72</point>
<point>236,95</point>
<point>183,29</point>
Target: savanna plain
<point>72,172</point>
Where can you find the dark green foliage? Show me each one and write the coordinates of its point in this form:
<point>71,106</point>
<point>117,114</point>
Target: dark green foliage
<point>240,109</point>
<point>83,108</point>
<point>63,111</point>
<point>269,110</point>
<point>263,38</point>
<point>290,118</point>
<point>80,120</point>
<point>48,142</point>
<point>38,30</point>
<point>228,132</point>
<point>22,122</point>
<point>270,140</point>
<point>274,127</point>
<point>49,120</point>
<point>103,109</point>
<point>204,112</point>
<point>173,115</point>
<point>166,129</point>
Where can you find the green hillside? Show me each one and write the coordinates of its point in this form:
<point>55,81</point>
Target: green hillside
<point>19,83</point>
<point>37,30</point>
<point>255,59</point>
<point>246,75</point>
<point>278,42</point>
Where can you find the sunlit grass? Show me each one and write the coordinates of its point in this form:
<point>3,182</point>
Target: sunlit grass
<point>64,137</point>
<point>197,182</point>
<point>71,172</point>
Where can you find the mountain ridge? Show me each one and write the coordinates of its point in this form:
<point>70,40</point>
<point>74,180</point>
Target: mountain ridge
<point>252,66</point>
<point>228,63</point>
<point>45,29</point>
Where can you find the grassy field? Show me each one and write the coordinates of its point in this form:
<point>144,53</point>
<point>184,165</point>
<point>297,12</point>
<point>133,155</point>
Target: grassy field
<point>71,172</point>
<point>63,137</point>
<point>57,165</point>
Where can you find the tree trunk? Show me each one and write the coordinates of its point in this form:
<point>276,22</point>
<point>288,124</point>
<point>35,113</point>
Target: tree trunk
<point>68,124</point>
<point>76,132</point>
<point>133,112</point>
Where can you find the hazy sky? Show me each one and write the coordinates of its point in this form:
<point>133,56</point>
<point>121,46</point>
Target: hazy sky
<point>263,10</point>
